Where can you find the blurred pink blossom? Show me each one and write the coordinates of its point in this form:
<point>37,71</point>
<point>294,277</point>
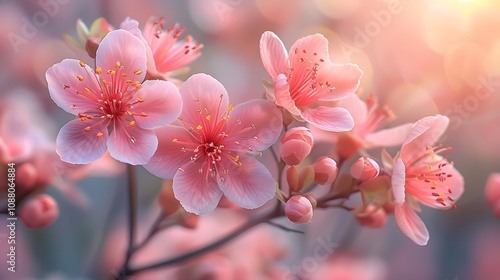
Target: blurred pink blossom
<point>372,217</point>
<point>305,80</point>
<point>40,211</point>
<point>492,193</point>
<point>207,155</point>
<point>112,96</point>
<point>347,266</point>
<point>369,118</point>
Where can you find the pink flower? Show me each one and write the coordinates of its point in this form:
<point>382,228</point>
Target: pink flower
<point>299,210</point>
<point>369,118</point>
<point>111,98</point>
<point>421,175</point>
<point>306,77</point>
<point>295,145</point>
<point>207,155</point>
<point>165,53</point>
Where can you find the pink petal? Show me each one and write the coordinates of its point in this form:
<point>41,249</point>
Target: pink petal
<point>122,46</point>
<point>162,104</point>
<point>356,107</point>
<point>203,96</point>
<point>411,224</point>
<point>196,193</point>
<point>424,133</point>
<point>315,47</point>
<point>131,144</point>
<point>253,126</point>
<point>336,119</point>
<point>282,95</point>
<point>74,145</point>
<point>67,91</point>
<point>170,156</point>
<point>398,180</point>
<point>345,79</point>
<point>132,26</point>
<point>388,137</point>
<point>273,54</point>
<point>249,185</point>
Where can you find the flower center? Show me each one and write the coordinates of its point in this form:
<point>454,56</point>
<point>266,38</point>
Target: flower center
<point>112,97</point>
<point>306,84</point>
<point>431,169</point>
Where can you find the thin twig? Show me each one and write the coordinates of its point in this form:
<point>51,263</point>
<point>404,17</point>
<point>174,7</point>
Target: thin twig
<point>132,194</point>
<point>222,241</point>
<point>282,227</point>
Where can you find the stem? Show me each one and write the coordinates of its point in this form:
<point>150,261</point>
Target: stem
<point>132,193</point>
<point>223,240</point>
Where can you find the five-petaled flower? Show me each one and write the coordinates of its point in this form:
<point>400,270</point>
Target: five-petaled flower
<point>111,98</point>
<point>305,81</point>
<point>207,154</point>
<point>421,175</point>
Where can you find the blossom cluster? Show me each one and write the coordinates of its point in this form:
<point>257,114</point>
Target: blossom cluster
<point>132,104</point>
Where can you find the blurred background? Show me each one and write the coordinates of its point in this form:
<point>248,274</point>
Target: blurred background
<point>419,57</point>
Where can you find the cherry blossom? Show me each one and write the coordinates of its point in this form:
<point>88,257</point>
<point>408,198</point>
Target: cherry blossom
<point>305,80</point>
<point>422,175</point>
<point>111,98</point>
<point>208,154</point>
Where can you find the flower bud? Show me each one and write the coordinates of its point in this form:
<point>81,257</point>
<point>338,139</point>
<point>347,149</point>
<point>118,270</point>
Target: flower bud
<point>299,209</point>
<point>26,177</point>
<point>325,170</point>
<point>372,218</point>
<point>187,220</point>
<point>168,203</point>
<point>295,145</point>
<point>91,46</point>
<point>365,169</point>
<point>39,211</point>
<point>492,192</point>
<point>347,145</point>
